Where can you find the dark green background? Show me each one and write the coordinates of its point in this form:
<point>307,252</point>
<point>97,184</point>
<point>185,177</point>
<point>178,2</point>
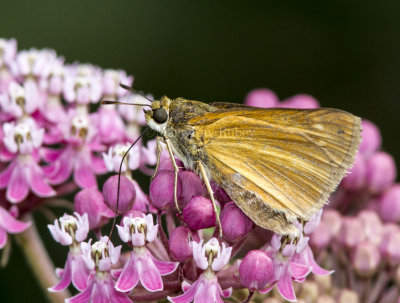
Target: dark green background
<point>344,53</point>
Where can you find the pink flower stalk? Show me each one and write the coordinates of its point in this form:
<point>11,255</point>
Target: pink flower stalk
<point>210,257</point>
<point>78,157</point>
<point>71,230</point>
<point>99,257</point>
<point>142,265</point>
<point>8,224</point>
<point>23,173</point>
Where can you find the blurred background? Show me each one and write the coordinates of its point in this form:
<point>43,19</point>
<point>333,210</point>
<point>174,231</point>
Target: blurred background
<point>344,53</point>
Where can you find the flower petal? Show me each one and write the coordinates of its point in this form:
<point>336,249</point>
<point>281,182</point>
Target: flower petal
<point>65,279</point>
<point>164,267</point>
<point>129,276</point>
<point>149,275</point>
<point>18,188</point>
<point>11,224</point>
<point>188,296</point>
<point>285,288</point>
<point>5,175</point>
<point>83,297</point>
<point>299,271</point>
<point>84,176</point>
<point>80,272</point>
<point>38,184</point>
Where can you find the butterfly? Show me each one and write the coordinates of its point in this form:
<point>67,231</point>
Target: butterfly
<point>278,165</point>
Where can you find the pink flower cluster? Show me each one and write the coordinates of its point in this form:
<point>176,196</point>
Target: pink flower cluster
<point>56,139</point>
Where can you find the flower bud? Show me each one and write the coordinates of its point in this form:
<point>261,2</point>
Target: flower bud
<point>351,232</point>
<point>166,163</point>
<point>371,138</point>
<point>300,101</point>
<point>91,201</point>
<point>309,291</point>
<point>389,247</point>
<point>389,204</point>
<point>191,186</point>
<point>220,194</point>
<point>356,176</point>
<point>256,270</point>
<point>333,219</point>
<point>321,237</point>
<point>381,172</point>
<point>199,213</point>
<point>262,98</point>
<point>235,224</point>
<point>162,189</point>
<point>325,299</point>
<point>180,243</point>
<point>127,193</point>
<point>366,259</point>
<point>372,226</point>
<point>347,296</point>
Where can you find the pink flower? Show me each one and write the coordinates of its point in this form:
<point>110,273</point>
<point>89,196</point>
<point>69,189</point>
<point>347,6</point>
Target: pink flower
<point>98,258</point>
<point>100,289</point>
<point>210,257</point>
<point>83,84</point>
<point>71,230</point>
<point>285,269</point>
<point>114,156</point>
<point>78,156</point>
<point>112,80</point>
<point>21,100</point>
<point>23,173</point>
<point>142,265</point>
<point>8,49</point>
<point>8,224</point>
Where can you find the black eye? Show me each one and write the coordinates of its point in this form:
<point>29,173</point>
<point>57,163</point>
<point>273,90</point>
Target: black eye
<point>160,115</point>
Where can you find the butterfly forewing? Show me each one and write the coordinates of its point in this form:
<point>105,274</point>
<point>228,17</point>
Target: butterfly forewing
<point>277,164</point>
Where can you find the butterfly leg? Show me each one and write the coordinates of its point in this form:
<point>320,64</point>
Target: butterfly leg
<point>158,151</point>
<point>176,171</point>
<point>210,192</point>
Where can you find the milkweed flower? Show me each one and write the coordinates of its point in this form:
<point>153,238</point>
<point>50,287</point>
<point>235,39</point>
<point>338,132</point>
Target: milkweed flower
<point>23,173</point>
<point>142,266</point>
<point>211,257</point>
<point>71,231</point>
<point>98,258</point>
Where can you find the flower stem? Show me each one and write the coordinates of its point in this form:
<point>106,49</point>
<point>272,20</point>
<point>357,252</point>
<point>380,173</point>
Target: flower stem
<point>39,261</point>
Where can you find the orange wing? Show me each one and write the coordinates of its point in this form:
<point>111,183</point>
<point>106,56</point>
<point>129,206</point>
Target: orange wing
<point>278,164</point>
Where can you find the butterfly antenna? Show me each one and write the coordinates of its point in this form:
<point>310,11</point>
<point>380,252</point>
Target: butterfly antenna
<point>119,180</point>
<point>123,103</point>
<point>131,89</point>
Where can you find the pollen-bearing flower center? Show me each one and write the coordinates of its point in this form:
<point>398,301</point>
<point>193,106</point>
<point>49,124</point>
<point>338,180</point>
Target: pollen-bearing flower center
<point>79,127</point>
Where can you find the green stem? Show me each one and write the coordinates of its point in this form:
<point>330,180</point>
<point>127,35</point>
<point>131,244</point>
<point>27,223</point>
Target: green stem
<point>39,261</point>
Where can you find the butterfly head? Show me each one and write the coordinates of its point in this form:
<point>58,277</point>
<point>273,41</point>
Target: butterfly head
<point>157,117</point>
